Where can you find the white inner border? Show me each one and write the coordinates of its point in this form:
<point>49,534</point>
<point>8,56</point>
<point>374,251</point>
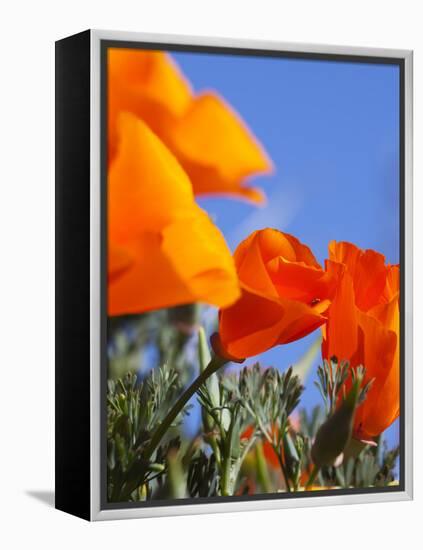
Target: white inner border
<point>95,171</point>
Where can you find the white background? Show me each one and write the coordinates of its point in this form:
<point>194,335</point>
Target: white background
<point>27,36</point>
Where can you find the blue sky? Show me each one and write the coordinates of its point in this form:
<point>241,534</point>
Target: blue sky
<point>332,131</point>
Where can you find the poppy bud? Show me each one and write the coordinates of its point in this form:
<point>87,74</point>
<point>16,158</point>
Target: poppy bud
<point>335,433</point>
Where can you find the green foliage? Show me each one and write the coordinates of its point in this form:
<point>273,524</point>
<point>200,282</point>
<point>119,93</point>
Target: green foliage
<point>310,421</point>
<point>268,395</point>
<point>203,477</point>
<point>331,379</point>
<point>134,410</point>
<point>248,441</point>
<point>224,421</point>
<point>372,466</point>
<point>267,398</point>
<point>335,432</point>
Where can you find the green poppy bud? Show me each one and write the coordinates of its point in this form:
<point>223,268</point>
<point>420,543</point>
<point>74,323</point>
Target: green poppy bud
<point>335,433</point>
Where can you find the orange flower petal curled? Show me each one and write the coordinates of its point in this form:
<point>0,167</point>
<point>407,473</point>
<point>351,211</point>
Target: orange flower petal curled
<point>150,283</point>
<point>367,269</point>
<point>341,330</point>
<point>258,259</point>
<point>147,84</point>
<point>120,261</point>
<point>256,323</point>
<point>298,281</point>
<point>205,264</point>
<point>378,348</point>
<point>285,294</point>
<point>250,263</point>
<point>147,187</point>
<point>363,327</point>
<point>392,283</point>
<point>154,282</point>
<point>217,149</point>
<point>210,140</point>
<point>177,254</point>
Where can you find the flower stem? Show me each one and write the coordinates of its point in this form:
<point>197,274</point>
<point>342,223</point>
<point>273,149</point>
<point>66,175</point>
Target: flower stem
<point>262,471</point>
<point>215,364</point>
<point>312,477</point>
<point>283,469</point>
<point>215,448</point>
<point>226,477</point>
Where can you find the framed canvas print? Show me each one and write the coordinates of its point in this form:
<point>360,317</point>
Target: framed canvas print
<point>233,275</point>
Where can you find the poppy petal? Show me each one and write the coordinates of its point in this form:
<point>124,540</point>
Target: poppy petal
<point>270,323</point>
<point>119,260</point>
<point>250,265</point>
<point>213,144</point>
<point>160,277</point>
<point>147,187</point>
<point>147,84</point>
<point>379,350</point>
<point>298,281</point>
<point>153,217</point>
<point>367,269</point>
<point>342,325</point>
<point>205,264</point>
<point>216,148</point>
<point>151,283</point>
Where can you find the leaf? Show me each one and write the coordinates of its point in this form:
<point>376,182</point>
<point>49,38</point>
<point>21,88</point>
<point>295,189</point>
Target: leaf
<point>176,480</point>
<point>303,366</point>
<point>212,383</point>
<point>204,356</point>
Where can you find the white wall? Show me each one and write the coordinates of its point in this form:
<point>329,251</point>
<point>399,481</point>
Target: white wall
<point>28,31</point>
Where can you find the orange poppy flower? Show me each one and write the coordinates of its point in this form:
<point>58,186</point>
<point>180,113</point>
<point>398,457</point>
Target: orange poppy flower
<point>209,139</point>
<point>163,249</point>
<point>363,327</point>
<point>285,294</point>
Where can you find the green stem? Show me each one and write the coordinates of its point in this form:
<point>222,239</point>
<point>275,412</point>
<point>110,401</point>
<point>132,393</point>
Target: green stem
<point>312,477</point>
<point>226,485</point>
<point>226,477</point>
<point>262,471</point>
<point>275,449</point>
<point>215,448</point>
<point>215,364</point>
<point>283,469</point>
